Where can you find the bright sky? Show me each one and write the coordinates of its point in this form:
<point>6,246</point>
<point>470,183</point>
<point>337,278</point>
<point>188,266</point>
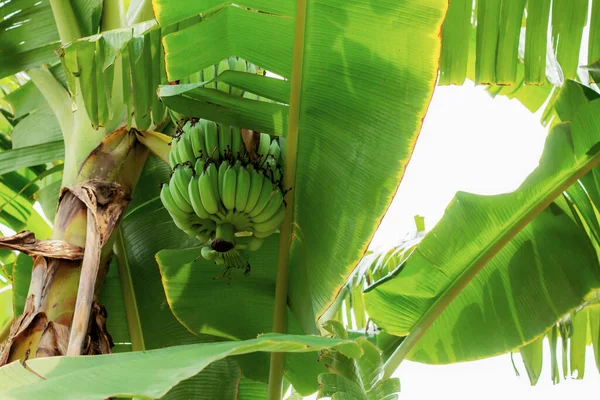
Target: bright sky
<point>473,143</point>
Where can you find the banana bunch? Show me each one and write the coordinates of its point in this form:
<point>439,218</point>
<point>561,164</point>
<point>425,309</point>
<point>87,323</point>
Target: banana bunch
<point>206,139</point>
<point>222,196</point>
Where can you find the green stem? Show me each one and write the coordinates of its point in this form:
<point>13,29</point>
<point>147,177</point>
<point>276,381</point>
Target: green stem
<point>66,22</point>
<point>289,180</point>
<point>225,232</point>
<point>476,266</point>
<point>57,97</point>
<point>131,309</point>
<point>112,15</point>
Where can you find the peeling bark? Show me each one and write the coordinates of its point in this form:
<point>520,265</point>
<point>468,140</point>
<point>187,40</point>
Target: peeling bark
<point>105,202</point>
<point>25,242</point>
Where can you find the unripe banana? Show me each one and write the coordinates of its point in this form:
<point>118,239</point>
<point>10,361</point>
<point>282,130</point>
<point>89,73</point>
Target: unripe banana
<point>232,60</point>
<point>263,146</point>
<point>203,236</point>
<point>199,166</point>
<point>237,165</point>
<point>173,160</point>
<point>274,151</point>
<point>263,199</point>
<point>179,188</point>
<point>242,189</point>
<point>272,223</point>
<point>214,179</point>
<point>224,139</point>
<point>229,185</point>
<point>196,199</point>
<point>170,205</point>
<point>185,150</point>
<point>210,199</point>
<point>222,169</point>
<point>208,253</point>
<point>237,143</point>
<point>274,202</point>
<point>174,154</point>
<point>208,75</point>
<point>250,243</point>
<point>223,66</point>
<point>252,68</point>
<point>196,135</point>
<point>263,235</point>
<point>240,65</point>
<point>256,183</point>
<point>212,141</point>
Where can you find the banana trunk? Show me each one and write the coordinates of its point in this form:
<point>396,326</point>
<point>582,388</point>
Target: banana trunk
<point>62,315</point>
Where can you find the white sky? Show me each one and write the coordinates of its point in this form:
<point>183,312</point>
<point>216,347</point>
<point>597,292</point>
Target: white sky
<point>474,143</point>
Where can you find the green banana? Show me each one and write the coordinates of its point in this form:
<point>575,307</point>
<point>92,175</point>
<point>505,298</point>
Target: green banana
<point>208,253</point>
<point>256,183</point>
<point>170,205</point>
<point>185,150</point>
<point>222,169</point>
<point>199,166</point>
<point>224,139</point>
<point>196,135</point>
<point>208,74</point>
<point>251,243</point>
<point>203,236</point>
<point>242,189</point>
<point>232,60</point>
<point>214,179</point>
<point>174,154</point>
<point>265,195</point>
<point>229,184</point>
<point>179,188</point>
<point>240,65</point>
<point>212,141</point>
<point>237,143</point>
<point>196,200</point>
<point>273,222</point>
<point>223,66</point>
<point>263,146</point>
<point>210,199</point>
<point>274,151</point>
<point>263,235</point>
<point>274,202</point>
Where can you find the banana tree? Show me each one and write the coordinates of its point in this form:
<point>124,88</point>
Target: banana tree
<point>80,111</point>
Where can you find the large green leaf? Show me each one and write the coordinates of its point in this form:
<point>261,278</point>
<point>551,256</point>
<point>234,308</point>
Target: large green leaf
<point>499,24</point>
<point>39,127</point>
<point>527,286</point>
<point>28,35</point>
<point>23,157</point>
<point>149,374</point>
<point>147,316</point>
<point>359,108</point>
<point>199,302</point>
